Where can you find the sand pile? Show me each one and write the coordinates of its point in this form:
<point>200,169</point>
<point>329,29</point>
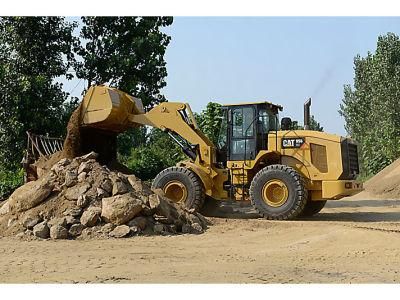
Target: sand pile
<point>385,184</point>
<point>79,198</point>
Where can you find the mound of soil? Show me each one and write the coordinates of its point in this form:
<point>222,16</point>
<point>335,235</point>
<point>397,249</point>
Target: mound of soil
<point>385,184</point>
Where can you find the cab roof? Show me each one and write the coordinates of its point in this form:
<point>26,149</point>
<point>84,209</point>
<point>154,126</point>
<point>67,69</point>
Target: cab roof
<point>279,107</point>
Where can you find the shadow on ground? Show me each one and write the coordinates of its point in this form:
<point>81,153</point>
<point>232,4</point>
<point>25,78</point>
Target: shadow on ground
<point>244,210</point>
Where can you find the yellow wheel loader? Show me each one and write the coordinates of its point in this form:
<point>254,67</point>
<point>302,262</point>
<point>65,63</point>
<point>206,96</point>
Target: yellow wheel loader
<point>284,173</point>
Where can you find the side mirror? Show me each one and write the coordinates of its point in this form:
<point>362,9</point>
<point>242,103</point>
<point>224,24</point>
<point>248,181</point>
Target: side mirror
<point>286,123</point>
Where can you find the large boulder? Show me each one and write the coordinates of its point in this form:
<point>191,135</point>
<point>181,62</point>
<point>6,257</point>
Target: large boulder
<point>31,194</point>
<point>120,209</point>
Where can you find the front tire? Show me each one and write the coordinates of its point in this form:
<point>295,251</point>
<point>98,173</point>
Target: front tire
<point>181,185</point>
<point>278,192</point>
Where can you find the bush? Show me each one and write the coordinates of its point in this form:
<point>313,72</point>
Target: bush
<point>158,153</point>
<point>9,181</point>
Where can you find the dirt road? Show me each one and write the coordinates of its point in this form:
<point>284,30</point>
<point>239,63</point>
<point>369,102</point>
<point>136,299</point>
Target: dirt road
<point>349,242</point>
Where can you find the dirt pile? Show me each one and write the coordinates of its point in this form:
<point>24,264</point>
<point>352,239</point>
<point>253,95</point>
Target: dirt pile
<point>385,184</point>
<point>72,143</point>
<point>79,198</point>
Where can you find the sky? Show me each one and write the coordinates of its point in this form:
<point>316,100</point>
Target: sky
<point>284,60</point>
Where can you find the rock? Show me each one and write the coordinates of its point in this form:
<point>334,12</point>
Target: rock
<point>85,166</point>
<point>31,194</point>
<point>82,177</point>
<point>120,231</point>
<point>107,228</point>
<point>5,209</point>
<point>91,216</point>
<point>196,228</point>
<point>70,220</point>
<point>83,201</point>
<point>107,185</point>
<point>138,185</point>
<point>58,232</point>
<point>158,228</point>
<point>73,193</point>
<point>186,228</point>
<point>57,221</point>
<point>91,155</point>
<point>119,187</point>
<point>140,222</point>
<point>76,230</point>
<point>102,193</point>
<point>120,209</point>
<point>30,221</point>
<point>135,183</point>
<point>60,166</point>
<point>74,212</point>
<point>154,201</point>
<point>193,219</point>
<point>71,178</point>
<point>41,230</point>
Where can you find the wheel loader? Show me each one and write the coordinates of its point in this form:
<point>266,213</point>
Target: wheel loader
<point>285,173</point>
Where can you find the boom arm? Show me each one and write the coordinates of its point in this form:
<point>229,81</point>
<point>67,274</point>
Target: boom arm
<point>178,118</point>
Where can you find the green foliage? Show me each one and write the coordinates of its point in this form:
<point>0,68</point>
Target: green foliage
<point>158,152</point>
<point>34,51</point>
<point>314,125</point>
<point>126,52</point>
<point>9,181</point>
<point>209,121</point>
<point>371,108</point>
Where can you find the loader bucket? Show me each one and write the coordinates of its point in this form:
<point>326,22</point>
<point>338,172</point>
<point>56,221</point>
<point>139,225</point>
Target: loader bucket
<point>108,109</point>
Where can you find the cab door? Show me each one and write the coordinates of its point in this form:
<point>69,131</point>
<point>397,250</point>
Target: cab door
<point>242,135</point>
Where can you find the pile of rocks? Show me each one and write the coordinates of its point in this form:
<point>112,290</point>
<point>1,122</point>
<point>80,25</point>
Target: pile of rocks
<point>78,199</point>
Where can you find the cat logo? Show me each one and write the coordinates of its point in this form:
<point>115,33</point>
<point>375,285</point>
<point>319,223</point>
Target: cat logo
<point>292,142</point>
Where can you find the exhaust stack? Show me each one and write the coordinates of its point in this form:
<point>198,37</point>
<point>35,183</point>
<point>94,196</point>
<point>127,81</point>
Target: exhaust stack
<point>307,105</point>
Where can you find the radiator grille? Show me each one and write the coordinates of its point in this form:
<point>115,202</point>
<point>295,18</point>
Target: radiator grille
<point>349,160</point>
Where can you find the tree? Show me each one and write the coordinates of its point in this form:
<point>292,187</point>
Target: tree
<point>371,109</point>
<point>314,125</point>
<point>33,53</point>
<point>209,121</point>
<point>126,52</point>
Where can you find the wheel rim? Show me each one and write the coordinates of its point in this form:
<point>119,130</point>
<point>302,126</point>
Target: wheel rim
<point>275,193</point>
<point>176,191</point>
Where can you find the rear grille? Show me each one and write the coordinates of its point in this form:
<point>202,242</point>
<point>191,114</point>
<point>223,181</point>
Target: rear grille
<point>353,159</point>
<point>349,160</point>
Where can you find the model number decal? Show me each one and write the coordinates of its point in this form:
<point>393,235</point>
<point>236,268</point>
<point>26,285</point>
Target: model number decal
<point>292,142</point>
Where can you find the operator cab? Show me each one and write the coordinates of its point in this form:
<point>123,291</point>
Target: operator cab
<point>244,130</point>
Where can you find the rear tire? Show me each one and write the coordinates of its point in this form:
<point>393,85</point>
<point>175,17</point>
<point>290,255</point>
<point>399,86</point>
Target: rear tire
<point>192,190</point>
<point>312,208</point>
<point>289,187</point>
